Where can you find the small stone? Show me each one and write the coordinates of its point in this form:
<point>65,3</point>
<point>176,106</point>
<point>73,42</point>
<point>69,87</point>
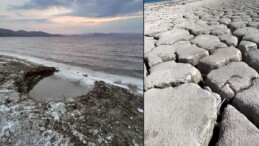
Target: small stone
<point>219,58</point>
<point>252,59</point>
<point>245,47</point>
<point>200,30</point>
<point>239,33</point>
<point>235,25</point>
<point>225,21</point>
<point>171,74</point>
<point>220,31</point>
<point>160,54</point>
<point>253,24</point>
<point>172,36</point>
<point>233,78</point>
<point>208,42</point>
<point>229,39</point>
<point>253,37</point>
<point>247,102</point>
<point>191,54</point>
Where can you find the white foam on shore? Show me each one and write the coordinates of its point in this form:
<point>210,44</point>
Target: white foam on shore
<point>74,72</point>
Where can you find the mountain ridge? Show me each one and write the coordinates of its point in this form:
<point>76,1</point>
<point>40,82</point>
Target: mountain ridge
<point>23,33</point>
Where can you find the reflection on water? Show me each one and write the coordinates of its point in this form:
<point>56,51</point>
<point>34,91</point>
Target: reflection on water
<point>56,88</point>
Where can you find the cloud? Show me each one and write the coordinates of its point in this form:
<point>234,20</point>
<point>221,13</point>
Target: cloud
<point>23,20</point>
<point>126,25</point>
<point>104,8</point>
<point>3,16</point>
<point>32,20</point>
<point>72,16</point>
<point>86,8</point>
<point>89,21</point>
<point>41,4</point>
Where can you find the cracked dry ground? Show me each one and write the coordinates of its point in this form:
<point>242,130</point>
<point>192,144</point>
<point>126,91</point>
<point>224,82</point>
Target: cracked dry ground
<point>201,73</point>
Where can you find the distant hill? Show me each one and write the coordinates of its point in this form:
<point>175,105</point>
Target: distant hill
<point>22,33</point>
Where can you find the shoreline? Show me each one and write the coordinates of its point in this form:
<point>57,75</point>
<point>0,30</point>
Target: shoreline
<point>77,72</point>
<point>96,118</point>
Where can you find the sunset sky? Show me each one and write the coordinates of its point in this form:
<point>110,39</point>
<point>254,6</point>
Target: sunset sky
<point>72,16</point>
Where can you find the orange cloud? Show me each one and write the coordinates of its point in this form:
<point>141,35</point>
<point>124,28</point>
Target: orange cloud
<point>88,21</point>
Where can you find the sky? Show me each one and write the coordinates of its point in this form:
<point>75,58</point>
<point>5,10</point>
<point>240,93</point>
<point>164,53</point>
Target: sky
<point>72,16</point>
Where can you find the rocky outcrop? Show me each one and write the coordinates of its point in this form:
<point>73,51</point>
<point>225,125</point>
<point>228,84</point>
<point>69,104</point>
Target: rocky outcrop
<point>231,79</point>
<point>218,39</point>
<point>32,76</point>
<point>236,129</point>
<point>247,102</point>
<point>218,59</point>
<point>172,36</point>
<point>229,39</point>
<point>171,74</point>
<point>245,47</point>
<point>180,116</point>
<point>160,54</point>
<point>252,59</point>
<point>208,42</point>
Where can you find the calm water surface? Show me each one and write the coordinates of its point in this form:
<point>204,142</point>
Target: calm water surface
<point>56,88</point>
<point>120,55</point>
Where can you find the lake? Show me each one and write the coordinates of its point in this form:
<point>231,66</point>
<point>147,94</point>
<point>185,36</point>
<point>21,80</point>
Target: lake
<point>112,58</point>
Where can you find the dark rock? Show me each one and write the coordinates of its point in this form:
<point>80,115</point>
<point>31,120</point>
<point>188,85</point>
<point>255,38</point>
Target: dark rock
<point>32,76</point>
<point>252,59</point>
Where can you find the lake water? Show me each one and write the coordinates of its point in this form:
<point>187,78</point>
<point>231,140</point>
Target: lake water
<point>112,58</point>
<point>57,88</point>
